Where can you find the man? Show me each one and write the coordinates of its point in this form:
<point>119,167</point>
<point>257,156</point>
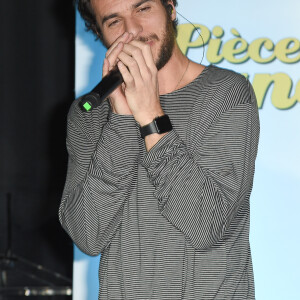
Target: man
<point>167,208</point>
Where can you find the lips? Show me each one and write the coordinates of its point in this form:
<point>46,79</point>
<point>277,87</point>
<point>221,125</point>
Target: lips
<point>150,42</point>
<point>150,38</point>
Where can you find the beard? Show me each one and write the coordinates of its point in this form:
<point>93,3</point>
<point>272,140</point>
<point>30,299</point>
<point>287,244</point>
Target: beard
<point>167,47</point>
<point>168,42</point>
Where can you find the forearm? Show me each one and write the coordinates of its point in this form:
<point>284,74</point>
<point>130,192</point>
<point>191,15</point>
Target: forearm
<point>200,190</point>
<point>99,177</point>
<point>92,215</point>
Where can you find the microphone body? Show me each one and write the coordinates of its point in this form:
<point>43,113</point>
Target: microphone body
<point>101,91</point>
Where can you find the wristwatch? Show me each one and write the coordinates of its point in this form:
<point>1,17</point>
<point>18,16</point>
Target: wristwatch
<point>158,125</point>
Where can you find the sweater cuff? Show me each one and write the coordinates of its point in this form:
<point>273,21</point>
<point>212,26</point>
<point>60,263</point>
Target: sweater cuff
<point>166,146</point>
<point>118,146</point>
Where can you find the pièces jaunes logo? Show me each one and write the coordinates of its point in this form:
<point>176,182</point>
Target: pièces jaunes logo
<point>238,51</point>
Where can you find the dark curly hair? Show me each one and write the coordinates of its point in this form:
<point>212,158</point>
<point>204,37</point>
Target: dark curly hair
<point>86,11</point>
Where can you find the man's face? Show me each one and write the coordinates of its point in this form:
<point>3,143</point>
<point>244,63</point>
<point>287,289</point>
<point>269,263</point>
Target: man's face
<point>145,19</point>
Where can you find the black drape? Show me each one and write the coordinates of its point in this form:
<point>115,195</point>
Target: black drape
<point>36,90</point>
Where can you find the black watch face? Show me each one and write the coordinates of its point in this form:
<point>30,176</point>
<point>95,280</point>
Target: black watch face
<point>163,124</point>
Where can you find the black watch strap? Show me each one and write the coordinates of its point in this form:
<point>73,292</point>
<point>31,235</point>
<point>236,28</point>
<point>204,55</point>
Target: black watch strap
<point>158,125</point>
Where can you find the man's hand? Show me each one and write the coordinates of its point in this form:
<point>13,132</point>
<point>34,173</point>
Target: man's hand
<point>117,98</point>
<point>139,94</point>
<point>139,72</point>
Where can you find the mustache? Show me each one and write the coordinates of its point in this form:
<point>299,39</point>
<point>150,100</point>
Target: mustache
<point>148,38</point>
<point>143,39</point>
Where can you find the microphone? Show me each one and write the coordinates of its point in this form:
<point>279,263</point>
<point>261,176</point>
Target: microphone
<point>114,79</point>
<point>101,91</point>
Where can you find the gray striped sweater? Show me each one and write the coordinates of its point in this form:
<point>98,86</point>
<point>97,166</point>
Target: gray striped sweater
<point>172,223</point>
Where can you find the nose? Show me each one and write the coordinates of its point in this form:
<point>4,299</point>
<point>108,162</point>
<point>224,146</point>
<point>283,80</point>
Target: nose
<point>133,26</point>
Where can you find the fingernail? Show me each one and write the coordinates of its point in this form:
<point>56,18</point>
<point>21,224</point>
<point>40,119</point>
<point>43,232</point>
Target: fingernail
<point>125,34</point>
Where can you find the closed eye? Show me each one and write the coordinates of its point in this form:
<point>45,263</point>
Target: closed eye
<point>143,9</point>
<point>113,23</point>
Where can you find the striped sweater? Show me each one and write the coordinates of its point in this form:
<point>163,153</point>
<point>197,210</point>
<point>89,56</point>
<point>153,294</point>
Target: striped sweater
<point>171,223</point>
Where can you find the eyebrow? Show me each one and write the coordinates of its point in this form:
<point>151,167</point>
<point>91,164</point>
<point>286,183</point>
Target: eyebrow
<point>134,6</point>
<point>106,18</point>
<point>141,3</point>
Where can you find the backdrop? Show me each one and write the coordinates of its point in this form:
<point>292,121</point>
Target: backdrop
<point>37,40</point>
<point>261,40</point>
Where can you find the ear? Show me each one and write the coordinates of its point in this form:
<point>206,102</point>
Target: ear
<point>171,10</point>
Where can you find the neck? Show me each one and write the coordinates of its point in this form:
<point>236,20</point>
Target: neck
<point>170,75</point>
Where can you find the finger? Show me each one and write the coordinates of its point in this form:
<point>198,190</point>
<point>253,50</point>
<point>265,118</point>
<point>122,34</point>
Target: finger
<point>105,67</point>
<point>147,53</point>
<point>138,55</point>
<point>127,77</point>
<point>123,38</point>
<point>132,64</point>
<point>116,48</point>
<point>112,58</point>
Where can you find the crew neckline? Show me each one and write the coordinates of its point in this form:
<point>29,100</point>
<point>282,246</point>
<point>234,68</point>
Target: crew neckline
<point>204,71</point>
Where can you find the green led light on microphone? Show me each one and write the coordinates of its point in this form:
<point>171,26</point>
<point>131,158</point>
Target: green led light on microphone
<point>87,106</point>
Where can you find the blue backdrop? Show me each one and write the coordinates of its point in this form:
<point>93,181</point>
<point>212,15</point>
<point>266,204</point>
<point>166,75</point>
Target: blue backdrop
<point>261,40</point>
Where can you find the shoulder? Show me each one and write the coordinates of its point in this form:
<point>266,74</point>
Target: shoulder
<point>229,87</point>
<point>225,79</point>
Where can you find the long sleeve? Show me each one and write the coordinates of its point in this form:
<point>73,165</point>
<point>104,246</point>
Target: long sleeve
<point>102,159</point>
<point>201,184</point>
<point>171,223</point>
